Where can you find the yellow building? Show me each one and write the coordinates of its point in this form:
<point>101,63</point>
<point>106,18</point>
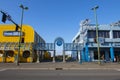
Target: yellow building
<point>9,43</point>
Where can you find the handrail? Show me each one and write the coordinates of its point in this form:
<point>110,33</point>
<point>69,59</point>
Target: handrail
<point>14,46</point>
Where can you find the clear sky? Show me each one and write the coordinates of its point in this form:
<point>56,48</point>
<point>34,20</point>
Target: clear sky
<point>60,18</point>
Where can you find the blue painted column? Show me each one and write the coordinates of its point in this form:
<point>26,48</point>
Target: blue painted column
<point>86,52</point>
<point>112,53</point>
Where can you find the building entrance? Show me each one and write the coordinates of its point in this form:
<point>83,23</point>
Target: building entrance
<point>102,55</point>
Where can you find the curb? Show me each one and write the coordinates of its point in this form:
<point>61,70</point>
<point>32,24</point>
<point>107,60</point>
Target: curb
<point>3,69</point>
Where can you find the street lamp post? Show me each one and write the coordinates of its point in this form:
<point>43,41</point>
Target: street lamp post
<point>98,47</point>
<point>20,37</point>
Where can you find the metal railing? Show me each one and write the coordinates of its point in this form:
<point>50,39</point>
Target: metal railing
<point>15,46</point>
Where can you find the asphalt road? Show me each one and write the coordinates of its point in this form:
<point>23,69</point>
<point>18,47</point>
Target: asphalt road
<point>34,74</point>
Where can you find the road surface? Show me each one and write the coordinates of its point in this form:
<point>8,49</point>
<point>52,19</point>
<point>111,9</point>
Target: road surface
<point>36,74</point>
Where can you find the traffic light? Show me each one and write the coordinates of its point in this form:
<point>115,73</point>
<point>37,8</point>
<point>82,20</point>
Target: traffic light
<point>95,40</point>
<point>4,17</point>
<point>8,17</point>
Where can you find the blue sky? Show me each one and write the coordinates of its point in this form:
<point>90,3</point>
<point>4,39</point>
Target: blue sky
<point>60,18</point>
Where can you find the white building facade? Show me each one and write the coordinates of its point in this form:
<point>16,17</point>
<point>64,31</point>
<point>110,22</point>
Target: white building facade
<point>109,42</point>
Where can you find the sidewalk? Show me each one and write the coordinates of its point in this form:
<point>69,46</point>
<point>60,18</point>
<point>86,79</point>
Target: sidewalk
<point>61,66</point>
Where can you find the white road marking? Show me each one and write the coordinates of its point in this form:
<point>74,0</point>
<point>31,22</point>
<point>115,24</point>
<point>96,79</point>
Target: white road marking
<point>117,69</point>
<point>2,70</point>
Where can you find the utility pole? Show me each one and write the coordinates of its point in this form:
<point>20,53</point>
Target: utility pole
<point>20,36</point>
<point>98,47</point>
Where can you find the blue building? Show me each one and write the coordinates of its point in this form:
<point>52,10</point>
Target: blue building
<point>109,41</point>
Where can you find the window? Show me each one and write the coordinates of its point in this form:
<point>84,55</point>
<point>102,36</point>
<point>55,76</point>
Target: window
<point>104,34</point>
<point>116,34</point>
<point>92,34</point>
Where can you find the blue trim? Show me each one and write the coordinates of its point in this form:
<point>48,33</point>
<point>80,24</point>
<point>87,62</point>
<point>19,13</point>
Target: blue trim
<point>112,54</point>
<point>86,52</point>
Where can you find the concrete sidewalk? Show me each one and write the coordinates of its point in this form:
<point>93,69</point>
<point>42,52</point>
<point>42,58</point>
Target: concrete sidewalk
<point>61,66</point>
